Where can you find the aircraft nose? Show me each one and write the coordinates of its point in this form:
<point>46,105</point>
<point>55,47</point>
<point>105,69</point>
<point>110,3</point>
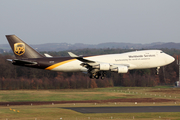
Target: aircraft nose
<point>170,59</point>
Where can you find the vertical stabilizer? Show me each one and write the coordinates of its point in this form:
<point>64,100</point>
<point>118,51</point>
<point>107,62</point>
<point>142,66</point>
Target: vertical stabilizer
<point>21,49</point>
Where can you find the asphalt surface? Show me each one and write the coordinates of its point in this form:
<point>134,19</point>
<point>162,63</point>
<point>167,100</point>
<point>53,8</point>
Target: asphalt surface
<point>136,109</point>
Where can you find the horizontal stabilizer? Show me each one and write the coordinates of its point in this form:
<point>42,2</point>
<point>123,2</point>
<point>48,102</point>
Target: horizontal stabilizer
<point>21,62</point>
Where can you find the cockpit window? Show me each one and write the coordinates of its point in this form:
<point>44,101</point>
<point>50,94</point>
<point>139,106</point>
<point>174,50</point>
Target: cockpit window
<point>161,52</point>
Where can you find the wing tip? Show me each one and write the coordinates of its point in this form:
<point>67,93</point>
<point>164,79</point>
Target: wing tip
<point>72,55</point>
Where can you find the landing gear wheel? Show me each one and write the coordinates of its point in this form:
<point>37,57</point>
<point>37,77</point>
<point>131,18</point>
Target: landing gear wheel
<point>102,77</point>
<point>96,76</point>
<point>91,76</point>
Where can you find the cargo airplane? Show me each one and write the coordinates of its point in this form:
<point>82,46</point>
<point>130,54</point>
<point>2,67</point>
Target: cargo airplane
<point>96,65</point>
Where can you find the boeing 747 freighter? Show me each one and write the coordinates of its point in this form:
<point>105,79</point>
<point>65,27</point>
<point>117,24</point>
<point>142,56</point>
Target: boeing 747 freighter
<point>96,66</point>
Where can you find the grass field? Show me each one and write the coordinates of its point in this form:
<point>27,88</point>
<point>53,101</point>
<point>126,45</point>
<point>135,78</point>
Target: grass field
<point>55,111</point>
<point>89,94</point>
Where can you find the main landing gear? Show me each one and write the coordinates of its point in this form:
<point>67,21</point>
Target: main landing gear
<point>97,75</point>
<point>157,70</point>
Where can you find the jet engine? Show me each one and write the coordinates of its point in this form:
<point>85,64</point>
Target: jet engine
<point>102,66</point>
<point>120,69</point>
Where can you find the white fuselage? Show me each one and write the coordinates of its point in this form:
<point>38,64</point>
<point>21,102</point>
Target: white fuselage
<point>134,60</point>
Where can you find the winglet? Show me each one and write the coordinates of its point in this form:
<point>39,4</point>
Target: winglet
<point>73,55</point>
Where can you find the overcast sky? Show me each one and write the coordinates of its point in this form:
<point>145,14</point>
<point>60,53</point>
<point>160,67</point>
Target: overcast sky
<point>90,21</point>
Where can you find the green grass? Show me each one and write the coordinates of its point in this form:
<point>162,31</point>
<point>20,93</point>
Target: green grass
<point>52,95</point>
<point>55,112</point>
<point>88,94</point>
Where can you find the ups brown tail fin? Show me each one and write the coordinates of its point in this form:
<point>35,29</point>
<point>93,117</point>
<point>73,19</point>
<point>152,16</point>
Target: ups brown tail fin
<point>21,49</point>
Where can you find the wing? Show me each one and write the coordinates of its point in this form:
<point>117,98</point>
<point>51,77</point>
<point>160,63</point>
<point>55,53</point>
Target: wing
<point>47,55</point>
<point>89,64</point>
<point>100,66</point>
<point>80,58</point>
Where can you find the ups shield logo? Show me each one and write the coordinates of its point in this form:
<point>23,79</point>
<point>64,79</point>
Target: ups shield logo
<point>19,48</point>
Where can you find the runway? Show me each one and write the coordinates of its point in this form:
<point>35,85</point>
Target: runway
<point>134,109</point>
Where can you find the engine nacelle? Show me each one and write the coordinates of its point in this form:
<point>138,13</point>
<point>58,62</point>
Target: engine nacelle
<point>120,69</point>
<point>102,66</point>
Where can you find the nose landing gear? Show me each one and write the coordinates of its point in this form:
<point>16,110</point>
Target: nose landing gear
<point>157,70</point>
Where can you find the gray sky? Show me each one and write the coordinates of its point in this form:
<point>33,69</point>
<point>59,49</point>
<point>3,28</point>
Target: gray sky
<point>90,21</point>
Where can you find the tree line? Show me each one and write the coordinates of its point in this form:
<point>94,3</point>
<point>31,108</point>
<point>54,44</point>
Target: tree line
<point>17,77</point>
